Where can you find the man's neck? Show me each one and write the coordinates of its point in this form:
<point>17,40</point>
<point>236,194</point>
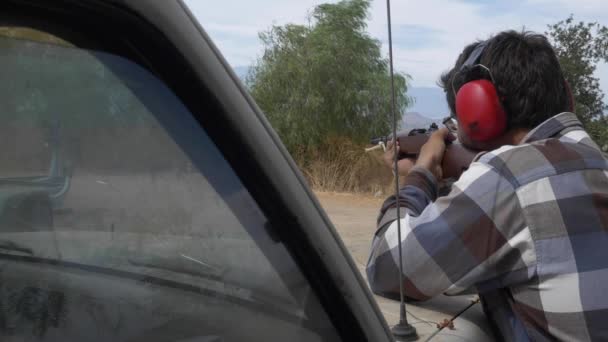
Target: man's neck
<point>516,136</point>
<point>512,137</point>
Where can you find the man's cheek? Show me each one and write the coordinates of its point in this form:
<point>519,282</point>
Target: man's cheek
<point>464,139</point>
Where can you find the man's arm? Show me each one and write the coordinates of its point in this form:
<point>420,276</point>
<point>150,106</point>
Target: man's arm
<point>474,236</point>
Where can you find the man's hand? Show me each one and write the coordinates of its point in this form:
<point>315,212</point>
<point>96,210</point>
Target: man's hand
<point>431,153</point>
<point>403,165</point>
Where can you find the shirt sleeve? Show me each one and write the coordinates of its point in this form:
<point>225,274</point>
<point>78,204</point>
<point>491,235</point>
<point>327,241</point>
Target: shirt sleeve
<point>474,238</point>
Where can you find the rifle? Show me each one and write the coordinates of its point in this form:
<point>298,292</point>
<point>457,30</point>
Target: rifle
<point>456,159</point>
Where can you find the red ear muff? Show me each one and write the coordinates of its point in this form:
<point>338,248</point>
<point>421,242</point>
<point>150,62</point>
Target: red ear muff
<point>480,114</point>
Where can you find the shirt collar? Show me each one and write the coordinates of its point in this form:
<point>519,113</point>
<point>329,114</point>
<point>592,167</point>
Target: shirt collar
<point>552,126</point>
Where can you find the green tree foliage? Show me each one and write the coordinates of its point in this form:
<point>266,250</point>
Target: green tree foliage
<point>326,79</point>
<point>579,47</point>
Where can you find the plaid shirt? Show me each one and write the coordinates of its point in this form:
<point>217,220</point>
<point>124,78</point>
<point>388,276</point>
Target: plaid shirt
<point>525,226</point>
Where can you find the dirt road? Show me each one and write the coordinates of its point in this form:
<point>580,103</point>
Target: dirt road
<point>354,217</point>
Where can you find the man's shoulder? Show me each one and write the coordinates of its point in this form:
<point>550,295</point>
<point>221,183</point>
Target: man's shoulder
<point>525,163</point>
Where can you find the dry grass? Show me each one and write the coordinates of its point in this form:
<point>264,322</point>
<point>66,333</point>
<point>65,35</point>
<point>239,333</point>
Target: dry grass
<point>337,165</point>
<point>342,166</point>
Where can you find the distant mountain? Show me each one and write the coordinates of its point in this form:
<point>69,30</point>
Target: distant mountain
<point>430,101</point>
<point>413,120</point>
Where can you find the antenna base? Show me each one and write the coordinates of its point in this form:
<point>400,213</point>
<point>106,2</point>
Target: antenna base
<point>404,332</point>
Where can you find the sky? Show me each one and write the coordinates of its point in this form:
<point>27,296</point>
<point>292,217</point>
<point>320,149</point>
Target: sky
<point>428,35</point>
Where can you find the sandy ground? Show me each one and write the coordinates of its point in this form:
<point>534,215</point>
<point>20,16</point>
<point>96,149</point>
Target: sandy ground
<point>354,217</point>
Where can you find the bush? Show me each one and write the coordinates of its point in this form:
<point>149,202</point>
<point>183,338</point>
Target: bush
<point>340,165</point>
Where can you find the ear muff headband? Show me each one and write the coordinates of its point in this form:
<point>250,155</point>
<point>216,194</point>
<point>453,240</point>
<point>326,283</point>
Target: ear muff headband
<point>478,108</point>
<point>475,56</point>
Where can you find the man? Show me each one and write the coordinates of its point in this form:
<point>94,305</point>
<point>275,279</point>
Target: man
<point>526,226</point>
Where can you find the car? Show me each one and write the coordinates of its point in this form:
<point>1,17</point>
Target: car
<point>186,218</point>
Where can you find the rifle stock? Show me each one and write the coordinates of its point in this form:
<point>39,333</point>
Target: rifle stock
<point>456,159</point>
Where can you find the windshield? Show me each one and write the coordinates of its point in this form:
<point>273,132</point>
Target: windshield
<point>119,217</point>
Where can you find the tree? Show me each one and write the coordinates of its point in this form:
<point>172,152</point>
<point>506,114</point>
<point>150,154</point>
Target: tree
<point>579,47</point>
<point>326,79</point>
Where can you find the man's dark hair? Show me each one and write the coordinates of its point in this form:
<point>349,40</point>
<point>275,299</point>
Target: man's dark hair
<point>527,76</point>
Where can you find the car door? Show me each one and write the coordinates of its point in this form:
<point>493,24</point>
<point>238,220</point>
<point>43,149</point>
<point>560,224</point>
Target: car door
<point>185,217</point>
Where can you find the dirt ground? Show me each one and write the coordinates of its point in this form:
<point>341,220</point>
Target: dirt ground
<point>354,217</point>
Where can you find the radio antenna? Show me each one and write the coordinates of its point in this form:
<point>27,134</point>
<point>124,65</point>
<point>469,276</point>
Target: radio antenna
<point>402,331</point>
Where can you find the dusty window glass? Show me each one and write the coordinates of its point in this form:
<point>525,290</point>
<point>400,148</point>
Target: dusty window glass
<point>120,219</point>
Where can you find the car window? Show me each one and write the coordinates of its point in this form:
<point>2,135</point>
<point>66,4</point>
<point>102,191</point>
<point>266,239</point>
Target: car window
<point>119,217</point>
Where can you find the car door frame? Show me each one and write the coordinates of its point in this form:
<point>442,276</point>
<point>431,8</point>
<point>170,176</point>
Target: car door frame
<point>167,39</point>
